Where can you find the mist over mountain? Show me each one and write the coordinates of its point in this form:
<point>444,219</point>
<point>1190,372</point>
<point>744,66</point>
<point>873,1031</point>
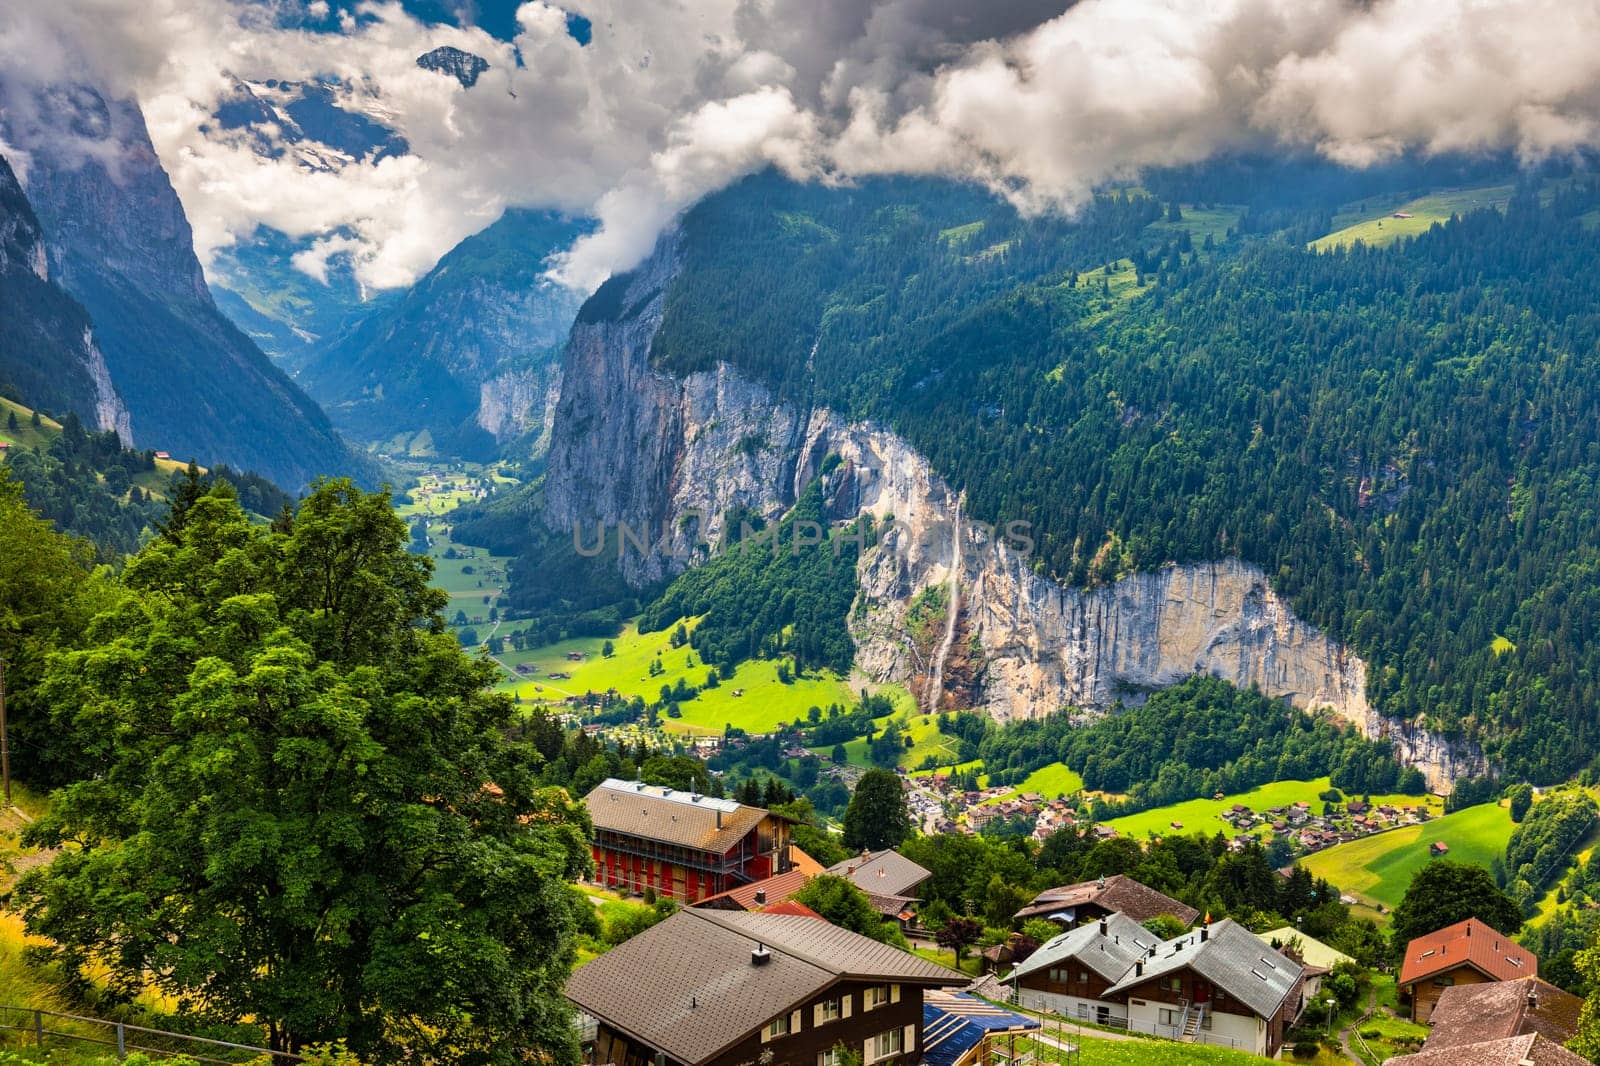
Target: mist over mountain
<point>119,242</point>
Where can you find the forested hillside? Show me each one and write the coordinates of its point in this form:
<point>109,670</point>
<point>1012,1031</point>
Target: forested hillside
<point>1403,439</point>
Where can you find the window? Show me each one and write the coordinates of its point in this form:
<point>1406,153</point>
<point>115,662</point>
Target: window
<point>887,1044</point>
<point>834,1056</point>
<point>1083,977</point>
<point>1175,984</point>
<point>876,996</point>
<point>779,1026</point>
<point>829,1010</point>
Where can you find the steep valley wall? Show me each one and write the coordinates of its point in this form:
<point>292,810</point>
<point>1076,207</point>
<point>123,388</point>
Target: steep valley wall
<point>634,445</point>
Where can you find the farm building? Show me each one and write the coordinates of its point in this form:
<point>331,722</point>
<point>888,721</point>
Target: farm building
<point>1089,901</point>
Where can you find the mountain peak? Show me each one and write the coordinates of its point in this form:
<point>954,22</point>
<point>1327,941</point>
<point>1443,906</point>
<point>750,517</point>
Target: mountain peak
<point>462,66</point>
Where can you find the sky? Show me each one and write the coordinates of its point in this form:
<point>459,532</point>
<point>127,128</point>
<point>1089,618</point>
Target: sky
<point>630,110</point>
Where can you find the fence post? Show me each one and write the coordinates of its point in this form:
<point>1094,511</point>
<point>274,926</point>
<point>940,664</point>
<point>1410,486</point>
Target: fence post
<point>38,1027</point>
<point>122,1046</point>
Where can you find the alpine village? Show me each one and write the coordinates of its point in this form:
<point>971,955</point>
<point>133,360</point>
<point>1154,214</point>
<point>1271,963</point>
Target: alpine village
<point>800,532</point>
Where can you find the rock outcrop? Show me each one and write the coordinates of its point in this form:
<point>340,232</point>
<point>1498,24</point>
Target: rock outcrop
<point>670,459</point>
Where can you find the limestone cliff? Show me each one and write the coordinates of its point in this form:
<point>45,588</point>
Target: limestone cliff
<point>669,458</point>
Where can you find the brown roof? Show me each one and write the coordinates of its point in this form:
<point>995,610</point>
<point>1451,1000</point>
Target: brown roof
<point>671,815</point>
<point>687,986</point>
<point>882,873</point>
<point>1529,1050</point>
<point>1119,893</point>
<point>803,862</point>
<point>775,889</point>
<point>1471,1014</point>
<point>1471,943</point>
<point>792,906</point>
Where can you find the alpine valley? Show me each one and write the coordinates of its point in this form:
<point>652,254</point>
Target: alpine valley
<point>863,533</point>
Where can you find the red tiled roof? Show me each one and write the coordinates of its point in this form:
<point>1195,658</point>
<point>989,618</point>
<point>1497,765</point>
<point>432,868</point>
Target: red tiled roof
<point>1472,943</point>
<point>793,906</point>
<point>777,888</point>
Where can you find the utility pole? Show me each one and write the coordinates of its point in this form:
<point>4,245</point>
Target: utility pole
<point>5,746</point>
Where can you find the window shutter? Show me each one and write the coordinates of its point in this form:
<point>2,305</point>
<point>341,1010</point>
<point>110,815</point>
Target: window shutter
<point>816,1014</point>
<point>911,1039</point>
<point>844,1007</point>
<point>894,993</point>
<point>794,1022</point>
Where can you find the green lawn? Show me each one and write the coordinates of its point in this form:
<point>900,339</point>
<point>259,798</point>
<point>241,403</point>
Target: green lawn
<point>1051,782</point>
<point>1100,1051</point>
<point>1202,815</point>
<point>765,702</point>
<point>1373,223</point>
<point>1377,869</point>
<point>926,739</point>
<point>1200,223</point>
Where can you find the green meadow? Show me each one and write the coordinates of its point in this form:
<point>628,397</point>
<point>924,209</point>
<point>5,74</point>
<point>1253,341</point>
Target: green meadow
<point>1374,223</point>
<point>1377,869</point>
<point>1204,815</point>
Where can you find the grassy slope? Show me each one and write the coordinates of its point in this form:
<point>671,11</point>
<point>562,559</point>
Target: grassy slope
<point>154,482</point>
<point>1202,814</point>
<point>765,702</point>
<point>1051,782</point>
<point>1378,868</point>
<point>1099,1051</point>
<point>1373,222</point>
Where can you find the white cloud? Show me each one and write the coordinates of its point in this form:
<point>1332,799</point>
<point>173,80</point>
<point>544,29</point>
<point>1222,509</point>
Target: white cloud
<point>670,101</point>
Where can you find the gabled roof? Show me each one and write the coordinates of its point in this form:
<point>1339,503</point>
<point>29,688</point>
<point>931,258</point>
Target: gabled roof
<point>1110,954</point>
<point>688,986</point>
<point>953,1023</point>
<point>1231,958</point>
<point>1471,943</point>
<point>882,873</point>
<point>792,906</point>
<point>1313,951</point>
<point>670,815</point>
<point>1529,1050</point>
<point>1118,893</point>
<point>1471,1014</point>
<point>774,889</point>
<point>803,862</point>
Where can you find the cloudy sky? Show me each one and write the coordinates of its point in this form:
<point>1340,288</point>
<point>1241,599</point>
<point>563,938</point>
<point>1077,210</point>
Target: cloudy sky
<point>670,99</point>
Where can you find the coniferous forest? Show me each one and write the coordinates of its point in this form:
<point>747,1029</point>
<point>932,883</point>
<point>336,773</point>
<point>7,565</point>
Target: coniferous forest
<point>1403,438</point>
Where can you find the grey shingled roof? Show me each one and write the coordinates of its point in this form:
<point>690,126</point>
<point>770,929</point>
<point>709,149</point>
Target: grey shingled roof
<point>686,986</point>
<point>882,873</point>
<point>1232,959</point>
<point>670,815</point>
<point>1111,954</point>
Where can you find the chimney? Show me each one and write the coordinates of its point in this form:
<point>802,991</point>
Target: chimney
<point>760,956</point>
<point>1138,968</point>
<point>1103,928</point>
<point>719,817</point>
<point>1533,996</point>
<point>761,895</point>
<point>1205,932</point>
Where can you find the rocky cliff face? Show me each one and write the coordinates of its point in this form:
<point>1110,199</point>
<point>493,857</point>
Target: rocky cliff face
<point>49,359</point>
<point>120,245</point>
<point>669,458</point>
<point>471,353</point>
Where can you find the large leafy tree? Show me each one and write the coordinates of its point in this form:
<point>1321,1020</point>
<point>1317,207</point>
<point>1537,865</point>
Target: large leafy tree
<point>300,805</point>
<point>1443,893</point>
<point>877,816</point>
<point>839,901</point>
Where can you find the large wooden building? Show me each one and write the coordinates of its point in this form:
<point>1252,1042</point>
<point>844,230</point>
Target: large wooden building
<point>682,845</point>
<point>1467,953</point>
<point>722,988</point>
<point>1218,984</point>
<point>1089,901</point>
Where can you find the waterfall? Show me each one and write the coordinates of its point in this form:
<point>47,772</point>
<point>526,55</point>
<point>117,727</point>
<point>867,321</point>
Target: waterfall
<point>936,683</point>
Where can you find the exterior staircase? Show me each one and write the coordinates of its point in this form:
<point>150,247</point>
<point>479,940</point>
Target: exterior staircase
<point>1192,1020</point>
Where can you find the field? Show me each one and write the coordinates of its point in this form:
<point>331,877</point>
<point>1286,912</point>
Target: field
<point>1202,815</point>
<point>1377,869</point>
<point>765,703</point>
<point>1051,782</point>
<point>926,739</point>
<point>1373,223</point>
